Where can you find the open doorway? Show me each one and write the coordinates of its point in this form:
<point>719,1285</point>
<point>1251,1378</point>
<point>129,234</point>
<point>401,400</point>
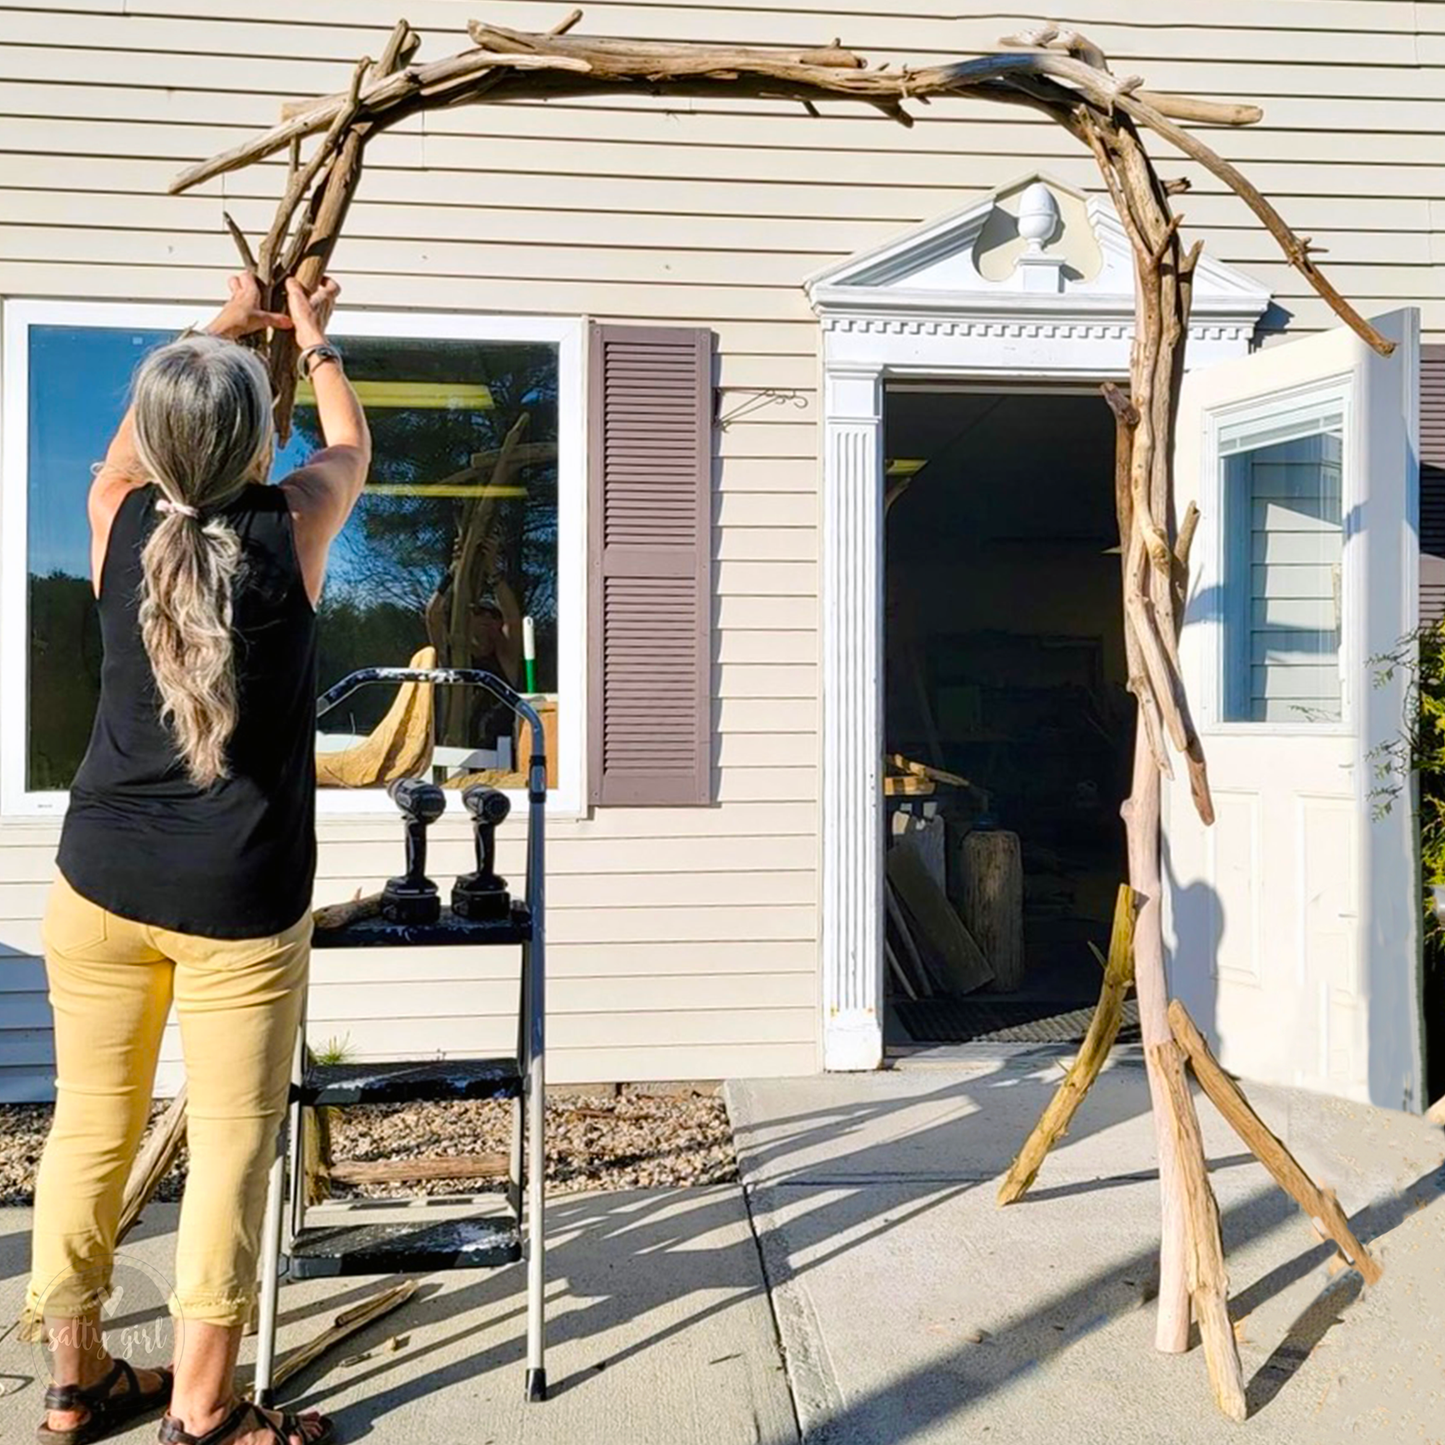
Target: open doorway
<point>1006,717</point>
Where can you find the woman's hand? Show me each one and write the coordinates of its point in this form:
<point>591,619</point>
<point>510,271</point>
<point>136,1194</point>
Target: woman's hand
<point>311,313</point>
<point>243,313</point>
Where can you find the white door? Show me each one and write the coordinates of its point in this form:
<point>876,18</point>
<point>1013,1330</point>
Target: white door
<point>1292,923</point>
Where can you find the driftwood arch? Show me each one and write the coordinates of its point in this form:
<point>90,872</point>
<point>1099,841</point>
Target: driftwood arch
<point>1063,75</point>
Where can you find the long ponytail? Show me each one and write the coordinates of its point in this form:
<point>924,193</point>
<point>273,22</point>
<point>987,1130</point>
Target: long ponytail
<point>202,430</point>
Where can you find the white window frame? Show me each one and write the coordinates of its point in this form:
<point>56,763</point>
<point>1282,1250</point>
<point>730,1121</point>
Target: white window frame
<point>1215,545</point>
<point>566,333</point>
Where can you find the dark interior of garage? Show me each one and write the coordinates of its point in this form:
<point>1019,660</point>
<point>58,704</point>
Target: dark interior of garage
<point>1007,721</point>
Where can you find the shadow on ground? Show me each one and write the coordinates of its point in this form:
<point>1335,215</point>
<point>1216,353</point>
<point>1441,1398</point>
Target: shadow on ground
<point>873,1210</point>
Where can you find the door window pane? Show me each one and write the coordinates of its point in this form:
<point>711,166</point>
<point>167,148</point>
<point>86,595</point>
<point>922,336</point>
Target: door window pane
<point>453,544</point>
<point>1284,546</point>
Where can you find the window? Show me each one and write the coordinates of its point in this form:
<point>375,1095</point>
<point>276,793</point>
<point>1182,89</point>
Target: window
<point>468,538</point>
<point>1281,481</point>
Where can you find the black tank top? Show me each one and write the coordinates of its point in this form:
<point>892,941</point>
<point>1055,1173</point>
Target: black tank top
<point>236,859</point>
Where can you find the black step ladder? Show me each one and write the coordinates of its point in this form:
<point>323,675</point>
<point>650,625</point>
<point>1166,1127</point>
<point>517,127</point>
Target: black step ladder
<point>298,1250</point>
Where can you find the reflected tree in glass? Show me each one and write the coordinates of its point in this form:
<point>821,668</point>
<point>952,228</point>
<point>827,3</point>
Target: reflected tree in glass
<point>455,538</point>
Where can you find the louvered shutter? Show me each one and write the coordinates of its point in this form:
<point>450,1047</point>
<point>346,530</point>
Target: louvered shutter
<point>1432,483</point>
<point>649,565</point>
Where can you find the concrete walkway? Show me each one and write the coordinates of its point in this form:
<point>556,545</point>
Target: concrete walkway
<point>913,1311</point>
<point>660,1334</point>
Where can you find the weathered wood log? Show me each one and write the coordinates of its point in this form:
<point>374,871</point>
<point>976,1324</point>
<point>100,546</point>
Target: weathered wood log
<point>1141,820</point>
<point>1103,1030</point>
<point>1208,1280</point>
<point>301,180</point>
<point>423,1167</point>
<point>153,1163</point>
<point>992,902</point>
<point>1144,453</point>
<point>338,915</point>
<point>346,1324</point>
<point>1052,77</point>
<point>1320,1205</point>
<point>943,931</point>
<point>316,1155</point>
<point>634,61</point>
<point>400,746</point>
<point>310,250</point>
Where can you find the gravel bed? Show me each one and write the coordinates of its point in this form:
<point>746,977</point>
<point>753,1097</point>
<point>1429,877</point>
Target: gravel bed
<point>604,1141</point>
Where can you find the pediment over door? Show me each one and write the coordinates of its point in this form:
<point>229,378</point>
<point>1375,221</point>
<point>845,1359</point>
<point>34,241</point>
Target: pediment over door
<point>1036,261</point>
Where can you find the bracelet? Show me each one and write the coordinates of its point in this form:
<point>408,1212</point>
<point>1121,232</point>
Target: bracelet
<point>314,356</point>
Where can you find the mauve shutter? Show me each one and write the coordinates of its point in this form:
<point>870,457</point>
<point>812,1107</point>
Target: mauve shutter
<point>1432,483</point>
<point>650,565</point>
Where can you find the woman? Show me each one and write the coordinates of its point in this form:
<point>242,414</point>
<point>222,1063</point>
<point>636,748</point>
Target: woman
<point>187,857</point>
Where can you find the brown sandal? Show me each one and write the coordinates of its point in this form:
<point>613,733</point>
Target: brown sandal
<point>246,1413</point>
<point>107,1412</point>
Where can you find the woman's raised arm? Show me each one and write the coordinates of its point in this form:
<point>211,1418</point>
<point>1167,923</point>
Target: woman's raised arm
<point>121,471</point>
<point>323,492</point>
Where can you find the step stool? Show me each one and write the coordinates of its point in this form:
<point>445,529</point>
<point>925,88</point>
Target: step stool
<point>291,1246</point>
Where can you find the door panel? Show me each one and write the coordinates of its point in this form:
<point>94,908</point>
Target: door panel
<point>1292,924</point>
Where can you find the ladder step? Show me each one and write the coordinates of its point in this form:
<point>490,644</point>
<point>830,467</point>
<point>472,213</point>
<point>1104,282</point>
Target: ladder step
<point>404,1248</point>
<point>448,930</point>
<point>411,1082</point>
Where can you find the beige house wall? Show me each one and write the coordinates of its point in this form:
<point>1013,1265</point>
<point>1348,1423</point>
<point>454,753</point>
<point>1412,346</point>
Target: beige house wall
<point>684,943</point>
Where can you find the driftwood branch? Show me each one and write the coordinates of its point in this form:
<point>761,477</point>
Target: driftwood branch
<point>332,916</point>
<point>1319,1205</point>
<point>248,260</point>
<point>1062,72</point>
<point>1052,71</point>
<point>1103,1030</point>
<point>1208,1281</point>
<point>346,1324</point>
<point>423,1167</point>
<point>153,1163</point>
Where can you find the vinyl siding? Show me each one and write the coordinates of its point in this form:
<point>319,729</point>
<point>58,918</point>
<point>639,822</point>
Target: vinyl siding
<point>684,942</point>
<point>1432,484</point>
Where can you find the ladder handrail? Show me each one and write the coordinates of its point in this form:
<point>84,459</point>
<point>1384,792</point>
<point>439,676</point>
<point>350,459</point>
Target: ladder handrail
<point>504,692</point>
<point>528,1170</point>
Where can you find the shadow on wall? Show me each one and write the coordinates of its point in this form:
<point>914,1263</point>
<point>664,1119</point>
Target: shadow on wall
<point>1197,917</point>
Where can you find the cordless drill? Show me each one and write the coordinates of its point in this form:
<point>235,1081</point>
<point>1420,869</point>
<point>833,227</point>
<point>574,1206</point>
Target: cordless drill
<point>483,895</point>
<point>414,898</point>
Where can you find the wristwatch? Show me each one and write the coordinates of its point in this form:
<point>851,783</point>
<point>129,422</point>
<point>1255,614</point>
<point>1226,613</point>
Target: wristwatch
<point>313,356</point>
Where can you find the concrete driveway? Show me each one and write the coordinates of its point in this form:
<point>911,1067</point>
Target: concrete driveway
<point>863,1282</point>
<point>660,1334</point>
<point>913,1311</point>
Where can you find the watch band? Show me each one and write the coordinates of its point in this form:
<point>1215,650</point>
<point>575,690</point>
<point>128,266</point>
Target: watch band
<point>323,351</point>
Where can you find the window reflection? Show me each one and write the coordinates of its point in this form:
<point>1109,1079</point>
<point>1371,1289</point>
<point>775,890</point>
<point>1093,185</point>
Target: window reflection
<point>452,546</point>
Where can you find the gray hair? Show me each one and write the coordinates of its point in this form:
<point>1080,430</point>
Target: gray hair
<point>202,431</point>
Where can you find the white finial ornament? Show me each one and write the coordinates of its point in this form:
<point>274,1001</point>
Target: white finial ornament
<point>1038,216</point>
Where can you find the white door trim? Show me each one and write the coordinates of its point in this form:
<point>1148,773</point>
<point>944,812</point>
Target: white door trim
<point>873,332</point>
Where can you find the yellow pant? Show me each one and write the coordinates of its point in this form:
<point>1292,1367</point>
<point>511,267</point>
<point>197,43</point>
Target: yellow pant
<point>239,1004</point>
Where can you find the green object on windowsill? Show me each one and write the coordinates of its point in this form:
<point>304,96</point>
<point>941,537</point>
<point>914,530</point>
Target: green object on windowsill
<point>529,654</point>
